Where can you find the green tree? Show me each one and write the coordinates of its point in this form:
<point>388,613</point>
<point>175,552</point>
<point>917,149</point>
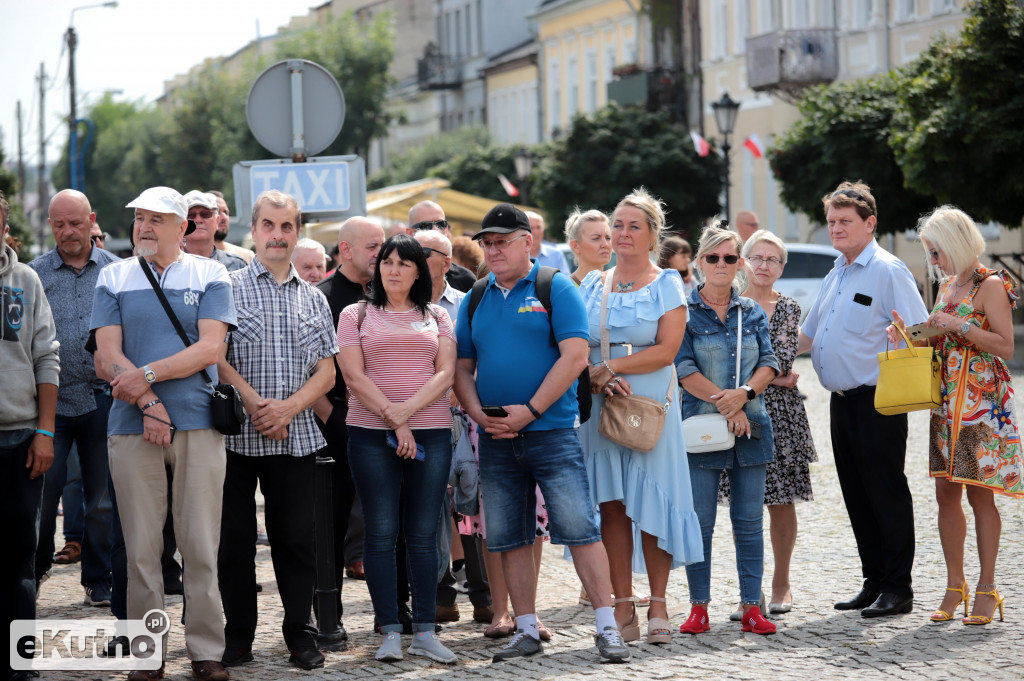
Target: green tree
<point>957,132</point>
<point>17,221</point>
<point>843,135</point>
<point>416,163</point>
<point>475,171</point>
<point>609,153</point>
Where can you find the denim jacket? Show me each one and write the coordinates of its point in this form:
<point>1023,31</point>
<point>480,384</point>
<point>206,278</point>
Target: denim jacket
<point>709,347</point>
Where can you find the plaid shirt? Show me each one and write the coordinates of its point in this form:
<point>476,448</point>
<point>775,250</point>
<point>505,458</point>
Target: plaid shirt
<point>283,331</point>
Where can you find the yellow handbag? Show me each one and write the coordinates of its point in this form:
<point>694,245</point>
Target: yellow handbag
<point>908,380</point>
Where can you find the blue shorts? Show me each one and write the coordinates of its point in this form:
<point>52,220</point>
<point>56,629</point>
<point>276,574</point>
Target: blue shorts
<point>510,471</point>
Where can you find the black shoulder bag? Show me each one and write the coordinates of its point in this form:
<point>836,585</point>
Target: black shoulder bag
<point>226,406</point>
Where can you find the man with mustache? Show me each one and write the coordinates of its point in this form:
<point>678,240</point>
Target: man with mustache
<point>161,414</point>
<point>203,211</point>
<point>281,360</point>
<point>69,273</point>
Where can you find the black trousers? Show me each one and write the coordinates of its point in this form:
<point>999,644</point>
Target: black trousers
<point>870,450</point>
<point>287,483</point>
<point>476,576</point>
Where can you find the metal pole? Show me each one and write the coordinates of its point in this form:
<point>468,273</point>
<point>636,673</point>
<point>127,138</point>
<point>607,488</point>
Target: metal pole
<point>41,176</point>
<point>21,162</point>
<point>330,636</point>
<point>298,129</point>
<point>72,39</point>
<point>725,151</point>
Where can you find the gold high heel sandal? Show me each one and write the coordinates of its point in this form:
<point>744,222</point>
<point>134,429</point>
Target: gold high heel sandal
<point>658,629</point>
<point>965,598</point>
<point>981,619</point>
<point>630,631</point>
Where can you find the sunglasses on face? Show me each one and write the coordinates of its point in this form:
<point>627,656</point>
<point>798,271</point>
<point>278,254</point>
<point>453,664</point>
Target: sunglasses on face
<point>427,250</point>
<point>204,214</point>
<point>441,224</point>
<point>714,258</point>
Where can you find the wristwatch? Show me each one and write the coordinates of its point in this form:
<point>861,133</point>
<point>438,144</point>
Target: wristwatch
<point>149,374</point>
<point>750,391</point>
<point>964,328</point>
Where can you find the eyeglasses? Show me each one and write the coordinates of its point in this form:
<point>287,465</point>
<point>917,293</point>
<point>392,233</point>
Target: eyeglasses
<point>499,244</point>
<point>427,250</point>
<point>204,214</point>
<point>441,225</point>
<point>714,258</point>
<point>757,261</point>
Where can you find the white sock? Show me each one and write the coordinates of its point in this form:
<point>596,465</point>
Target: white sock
<point>605,618</point>
<point>527,624</point>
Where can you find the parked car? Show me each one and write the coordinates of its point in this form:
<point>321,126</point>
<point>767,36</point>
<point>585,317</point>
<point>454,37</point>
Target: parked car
<point>806,268</point>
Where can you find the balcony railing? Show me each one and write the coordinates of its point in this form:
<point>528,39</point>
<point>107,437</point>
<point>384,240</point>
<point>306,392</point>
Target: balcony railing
<point>437,71</point>
<point>792,60</point>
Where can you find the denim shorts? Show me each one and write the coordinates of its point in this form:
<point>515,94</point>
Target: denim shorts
<point>510,471</point>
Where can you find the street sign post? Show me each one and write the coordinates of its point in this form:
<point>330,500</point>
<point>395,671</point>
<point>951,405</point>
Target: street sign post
<point>326,188</point>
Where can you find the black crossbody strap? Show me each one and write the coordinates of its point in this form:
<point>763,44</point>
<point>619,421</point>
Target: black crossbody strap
<point>167,308</point>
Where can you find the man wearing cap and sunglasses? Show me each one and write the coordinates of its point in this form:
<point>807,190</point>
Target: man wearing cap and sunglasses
<point>845,331</point>
<point>429,215</point>
<point>161,413</point>
<point>520,387</point>
<point>203,211</point>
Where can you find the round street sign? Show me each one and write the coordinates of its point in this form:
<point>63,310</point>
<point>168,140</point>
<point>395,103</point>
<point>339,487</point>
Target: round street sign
<point>295,107</point>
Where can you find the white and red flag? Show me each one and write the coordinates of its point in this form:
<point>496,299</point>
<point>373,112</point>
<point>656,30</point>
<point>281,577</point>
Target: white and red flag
<point>509,188</point>
<point>754,145</point>
<point>700,145</point>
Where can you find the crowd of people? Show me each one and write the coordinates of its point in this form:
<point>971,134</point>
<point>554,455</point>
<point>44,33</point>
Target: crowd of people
<point>477,410</point>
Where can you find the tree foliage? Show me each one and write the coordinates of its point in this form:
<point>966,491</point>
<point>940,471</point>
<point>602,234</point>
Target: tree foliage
<point>475,170</point>
<point>958,132</point>
<point>609,153</point>
<point>19,225</point>
<point>844,135</point>
<point>416,163</point>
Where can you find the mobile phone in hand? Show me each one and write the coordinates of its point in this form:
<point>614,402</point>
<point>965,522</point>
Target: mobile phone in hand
<point>755,430</point>
<point>392,441</point>
<point>495,411</point>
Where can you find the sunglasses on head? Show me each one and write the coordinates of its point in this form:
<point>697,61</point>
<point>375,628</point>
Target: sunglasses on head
<point>714,257</point>
<point>441,224</point>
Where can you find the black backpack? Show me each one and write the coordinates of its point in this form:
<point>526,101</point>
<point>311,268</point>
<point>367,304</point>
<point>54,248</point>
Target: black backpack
<point>543,287</point>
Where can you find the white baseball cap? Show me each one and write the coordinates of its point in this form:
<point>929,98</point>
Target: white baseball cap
<point>164,200</point>
<point>198,198</point>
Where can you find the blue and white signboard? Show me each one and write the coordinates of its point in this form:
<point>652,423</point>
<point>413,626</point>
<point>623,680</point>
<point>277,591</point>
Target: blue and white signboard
<point>327,188</point>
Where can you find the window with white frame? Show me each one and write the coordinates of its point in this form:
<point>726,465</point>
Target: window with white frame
<point>458,34</point>
<point>479,26</point>
<point>609,63</point>
<point>573,87</point>
<point>766,15</point>
<point>554,95</point>
<point>943,6</point>
<point>449,43</point>
<point>827,12</point>
<point>719,29</point>
<point>469,30</point>
<point>906,10</point>
<point>741,26</point>
<point>629,51</point>
<point>799,14</point>
<point>861,13</point>
<point>591,104</point>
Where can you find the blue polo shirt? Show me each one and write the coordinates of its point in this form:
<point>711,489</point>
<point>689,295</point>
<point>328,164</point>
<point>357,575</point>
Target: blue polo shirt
<point>510,339</point>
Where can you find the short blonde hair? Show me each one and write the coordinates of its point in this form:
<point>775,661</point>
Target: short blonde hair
<point>951,231</point>
<point>653,208</point>
<point>578,218</point>
<point>763,235</point>
<point>714,236</point>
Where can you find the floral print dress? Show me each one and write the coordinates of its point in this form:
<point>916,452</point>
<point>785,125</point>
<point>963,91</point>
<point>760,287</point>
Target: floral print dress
<point>976,421</point>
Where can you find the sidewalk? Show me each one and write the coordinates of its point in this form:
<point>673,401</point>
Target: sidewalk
<point>814,641</point>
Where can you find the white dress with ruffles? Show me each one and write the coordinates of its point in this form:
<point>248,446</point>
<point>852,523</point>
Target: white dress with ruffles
<point>654,486</point>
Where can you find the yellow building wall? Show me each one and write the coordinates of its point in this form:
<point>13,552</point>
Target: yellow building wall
<point>512,78</point>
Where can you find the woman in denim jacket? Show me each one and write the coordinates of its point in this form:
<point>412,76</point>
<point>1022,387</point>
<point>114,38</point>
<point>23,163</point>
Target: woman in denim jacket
<point>706,365</point>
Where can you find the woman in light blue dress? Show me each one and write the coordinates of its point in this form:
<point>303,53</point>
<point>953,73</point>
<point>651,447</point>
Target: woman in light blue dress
<point>647,519</point>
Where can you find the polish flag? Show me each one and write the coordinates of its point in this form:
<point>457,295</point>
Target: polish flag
<point>509,188</point>
<point>700,145</point>
<point>754,145</point>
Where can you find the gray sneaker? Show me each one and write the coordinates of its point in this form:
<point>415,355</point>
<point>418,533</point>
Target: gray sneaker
<point>430,646</point>
<point>610,645</point>
<point>522,645</point>
<point>391,649</point>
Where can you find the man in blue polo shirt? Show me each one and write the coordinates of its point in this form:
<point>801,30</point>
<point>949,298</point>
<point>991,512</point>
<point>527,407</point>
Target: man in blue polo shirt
<point>521,390</point>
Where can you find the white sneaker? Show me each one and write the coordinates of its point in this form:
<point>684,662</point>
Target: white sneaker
<point>427,644</point>
<point>391,649</point>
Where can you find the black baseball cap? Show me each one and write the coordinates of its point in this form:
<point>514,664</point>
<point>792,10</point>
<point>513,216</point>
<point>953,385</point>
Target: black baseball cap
<point>503,219</point>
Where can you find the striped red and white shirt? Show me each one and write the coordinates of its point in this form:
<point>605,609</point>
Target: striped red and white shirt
<point>399,355</point>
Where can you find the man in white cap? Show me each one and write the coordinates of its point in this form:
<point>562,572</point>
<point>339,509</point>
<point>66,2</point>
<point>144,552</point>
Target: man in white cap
<point>203,211</point>
<point>161,414</point>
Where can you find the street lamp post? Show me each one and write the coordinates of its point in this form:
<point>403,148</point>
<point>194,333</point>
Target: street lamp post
<point>524,163</point>
<point>72,41</point>
<point>725,117</point>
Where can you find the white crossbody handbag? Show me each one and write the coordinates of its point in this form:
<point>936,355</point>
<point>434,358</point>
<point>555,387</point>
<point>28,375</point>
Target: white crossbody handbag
<point>710,432</point>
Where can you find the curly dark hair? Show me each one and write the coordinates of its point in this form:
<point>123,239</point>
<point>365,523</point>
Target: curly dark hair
<point>410,250</point>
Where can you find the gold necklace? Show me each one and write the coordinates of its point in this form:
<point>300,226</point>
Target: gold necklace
<point>712,302</point>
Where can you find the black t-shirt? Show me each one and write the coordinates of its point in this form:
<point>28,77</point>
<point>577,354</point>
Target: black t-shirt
<point>341,292</point>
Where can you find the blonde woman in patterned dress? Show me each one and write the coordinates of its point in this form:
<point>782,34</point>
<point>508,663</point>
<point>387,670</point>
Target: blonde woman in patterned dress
<point>976,421</point>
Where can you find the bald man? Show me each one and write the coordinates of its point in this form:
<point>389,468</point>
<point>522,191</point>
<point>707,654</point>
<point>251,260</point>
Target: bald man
<point>545,252</point>
<point>69,273</point>
<point>359,242</point>
<point>746,224</point>
<point>428,215</point>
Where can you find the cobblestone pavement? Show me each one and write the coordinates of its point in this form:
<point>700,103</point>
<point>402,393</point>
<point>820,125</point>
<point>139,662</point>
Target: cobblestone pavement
<point>814,641</point>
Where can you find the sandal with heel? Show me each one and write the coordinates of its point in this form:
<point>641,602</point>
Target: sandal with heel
<point>992,591</point>
<point>659,630</point>
<point>630,631</point>
<point>965,598</point>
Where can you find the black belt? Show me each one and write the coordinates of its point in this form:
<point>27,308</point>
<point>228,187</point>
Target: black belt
<point>854,391</point>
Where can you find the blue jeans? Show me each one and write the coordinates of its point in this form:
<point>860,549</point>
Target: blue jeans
<point>89,433</point>
<point>511,470</point>
<point>746,510</point>
<point>383,480</point>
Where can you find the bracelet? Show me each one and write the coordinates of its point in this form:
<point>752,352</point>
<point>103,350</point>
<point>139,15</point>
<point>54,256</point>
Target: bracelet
<point>536,414</point>
<point>151,404</point>
<point>604,363</point>
<point>44,432</point>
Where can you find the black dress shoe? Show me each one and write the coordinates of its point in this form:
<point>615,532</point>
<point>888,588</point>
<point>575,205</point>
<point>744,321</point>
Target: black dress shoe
<point>862,600</point>
<point>889,604</point>
<point>307,658</point>
<point>234,657</point>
